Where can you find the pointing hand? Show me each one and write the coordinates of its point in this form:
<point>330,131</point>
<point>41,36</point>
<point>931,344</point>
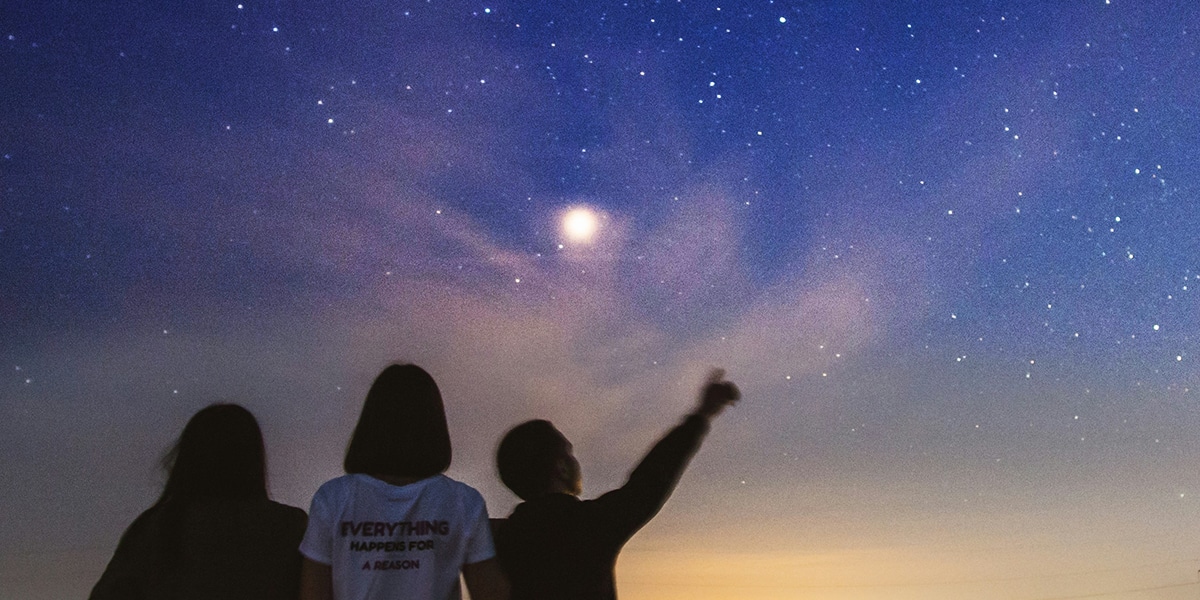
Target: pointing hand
<point>717,394</point>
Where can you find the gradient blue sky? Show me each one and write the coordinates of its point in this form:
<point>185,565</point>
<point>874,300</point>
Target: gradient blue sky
<point>947,249</point>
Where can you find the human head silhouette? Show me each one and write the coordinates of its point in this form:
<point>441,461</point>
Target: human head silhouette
<point>535,458</point>
<point>401,431</point>
<point>220,454</point>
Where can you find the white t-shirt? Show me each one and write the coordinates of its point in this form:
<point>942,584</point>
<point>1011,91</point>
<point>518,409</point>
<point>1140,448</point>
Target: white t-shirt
<point>397,542</point>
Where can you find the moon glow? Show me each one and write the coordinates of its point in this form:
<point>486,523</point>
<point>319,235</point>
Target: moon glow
<point>580,225</point>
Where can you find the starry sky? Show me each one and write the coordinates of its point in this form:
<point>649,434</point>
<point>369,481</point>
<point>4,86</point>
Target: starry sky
<point>948,250</point>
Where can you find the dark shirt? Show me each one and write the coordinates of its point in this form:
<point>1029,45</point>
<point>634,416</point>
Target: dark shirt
<point>560,547</point>
<point>231,549</point>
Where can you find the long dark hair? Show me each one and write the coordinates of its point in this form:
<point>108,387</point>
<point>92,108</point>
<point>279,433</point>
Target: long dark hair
<point>402,429</point>
<point>220,454</point>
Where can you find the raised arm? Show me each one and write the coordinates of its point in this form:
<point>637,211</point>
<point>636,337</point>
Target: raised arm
<point>653,480</point>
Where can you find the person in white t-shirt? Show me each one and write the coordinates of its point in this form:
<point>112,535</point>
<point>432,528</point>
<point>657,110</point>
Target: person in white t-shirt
<point>394,527</point>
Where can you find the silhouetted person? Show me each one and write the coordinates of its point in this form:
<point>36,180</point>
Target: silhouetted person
<point>394,527</point>
<point>213,533</point>
<point>556,546</point>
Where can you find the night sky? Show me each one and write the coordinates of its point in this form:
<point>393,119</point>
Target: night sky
<point>950,252</point>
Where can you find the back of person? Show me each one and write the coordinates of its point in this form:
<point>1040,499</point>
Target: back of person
<point>555,545</point>
<point>225,549</point>
<point>241,550</point>
<point>394,527</point>
<point>558,546</point>
<point>213,533</point>
<point>397,541</point>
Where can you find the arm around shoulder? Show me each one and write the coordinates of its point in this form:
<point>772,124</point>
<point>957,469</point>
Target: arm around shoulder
<point>485,580</point>
<point>316,580</point>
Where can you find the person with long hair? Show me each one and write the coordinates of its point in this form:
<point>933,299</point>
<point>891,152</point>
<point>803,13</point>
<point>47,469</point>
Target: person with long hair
<point>395,527</point>
<point>214,532</point>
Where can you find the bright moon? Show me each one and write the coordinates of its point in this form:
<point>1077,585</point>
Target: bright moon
<point>580,224</point>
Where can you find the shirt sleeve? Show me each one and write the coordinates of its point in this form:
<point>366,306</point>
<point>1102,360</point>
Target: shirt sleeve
<point>317,544</point>
<point>629,507</point>
<point>479,536</point>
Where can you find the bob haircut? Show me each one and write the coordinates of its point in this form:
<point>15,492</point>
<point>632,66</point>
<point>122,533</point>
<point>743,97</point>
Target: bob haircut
<point>220,454</point>
<point>402,429</point>
<point>527,457</point>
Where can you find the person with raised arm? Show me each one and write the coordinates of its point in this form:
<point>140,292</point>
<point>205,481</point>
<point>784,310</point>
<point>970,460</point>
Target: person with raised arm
<point>555,545</point>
